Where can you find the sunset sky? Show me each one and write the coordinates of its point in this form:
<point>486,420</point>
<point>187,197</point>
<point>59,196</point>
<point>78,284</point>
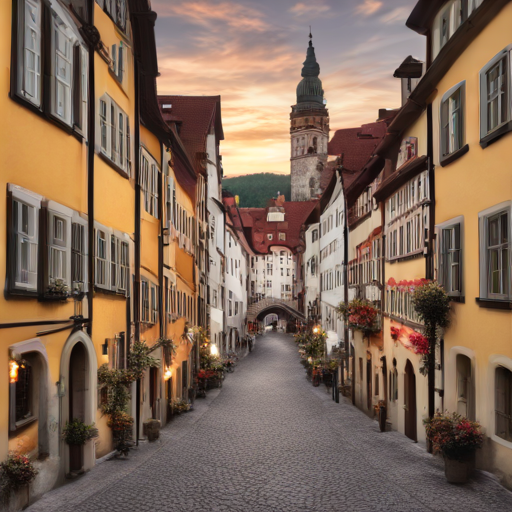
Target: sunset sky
<point>251,53</point>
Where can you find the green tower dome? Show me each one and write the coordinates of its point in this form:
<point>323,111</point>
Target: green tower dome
<point>310,88</point>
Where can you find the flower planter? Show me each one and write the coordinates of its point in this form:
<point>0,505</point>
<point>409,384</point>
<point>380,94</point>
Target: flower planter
<point>458,471</point>
<point>152,429</point>
<point>75,457</point>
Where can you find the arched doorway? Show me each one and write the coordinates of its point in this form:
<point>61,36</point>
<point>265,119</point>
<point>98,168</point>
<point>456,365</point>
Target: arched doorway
<point>410,401</point>
<point>77,385</point>
<point>465,392</point>
<point>78,367</point>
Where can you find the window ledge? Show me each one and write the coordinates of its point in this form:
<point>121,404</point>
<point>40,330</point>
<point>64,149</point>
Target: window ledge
<point>404,321</point>
<point>23,423</point>
<point>455,298</point>
<point>448,159</point>
<point>494,303</point>
<point>114,166</point>
<point>496,134</point>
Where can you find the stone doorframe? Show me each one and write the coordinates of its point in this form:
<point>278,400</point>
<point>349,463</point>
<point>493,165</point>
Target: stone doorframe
<point>90,396</point>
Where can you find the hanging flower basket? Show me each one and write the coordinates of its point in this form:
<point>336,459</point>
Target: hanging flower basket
<point>361,315</point>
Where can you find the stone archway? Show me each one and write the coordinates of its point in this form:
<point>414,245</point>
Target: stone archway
<point>77,392</point>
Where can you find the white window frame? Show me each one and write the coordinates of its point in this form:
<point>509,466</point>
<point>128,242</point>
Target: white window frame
<point>82,250</point>
<point>26,23</point>
<point>105,234</point>
<point>483,217</point>
<point>23,197</point>
<point>150,174</point>
<point>443,257</point>
<point>111,136</point>
<point>505,55</point>
<point>61,85</point>
<point>59,249</point>
<point>452,120</point>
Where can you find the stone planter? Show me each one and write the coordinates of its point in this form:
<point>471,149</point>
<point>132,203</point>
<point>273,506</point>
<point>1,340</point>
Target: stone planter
<point>458,471</point>
<point>152,429</point>
<point>75,457</point>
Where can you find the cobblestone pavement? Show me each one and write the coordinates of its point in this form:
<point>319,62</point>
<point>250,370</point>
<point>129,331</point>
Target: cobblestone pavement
<point>269,441</point>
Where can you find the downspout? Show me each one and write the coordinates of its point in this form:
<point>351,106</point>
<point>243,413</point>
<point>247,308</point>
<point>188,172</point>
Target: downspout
<point>345,281</point>
<point>91,137</point>
<point>161,247</point>
<point>136,288</point>
<point>429,260</point>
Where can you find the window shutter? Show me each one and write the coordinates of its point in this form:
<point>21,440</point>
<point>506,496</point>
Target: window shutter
<point>62,70</point>
<point>120,63</point>
<point>25,229</point>
<point>59,248</point>
<point>29,74</point>
<point>113,64</point>
<point>128,148</point>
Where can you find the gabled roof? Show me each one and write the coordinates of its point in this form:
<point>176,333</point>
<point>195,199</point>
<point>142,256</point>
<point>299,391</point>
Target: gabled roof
<point>194,116</point>
<point>257,227</point>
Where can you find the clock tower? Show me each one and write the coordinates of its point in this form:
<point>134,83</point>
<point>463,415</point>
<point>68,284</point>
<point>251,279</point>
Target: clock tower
<point>309,130</point>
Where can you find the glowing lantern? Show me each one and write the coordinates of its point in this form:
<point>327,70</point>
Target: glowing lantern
<point>167,373</point>
<point>13,371</point>
<point>214,350</point>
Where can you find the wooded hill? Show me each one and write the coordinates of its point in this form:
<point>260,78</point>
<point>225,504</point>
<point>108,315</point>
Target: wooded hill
<point>255,190</point>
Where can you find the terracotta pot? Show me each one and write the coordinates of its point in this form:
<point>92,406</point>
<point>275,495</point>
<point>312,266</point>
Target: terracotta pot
<point>458,471</point>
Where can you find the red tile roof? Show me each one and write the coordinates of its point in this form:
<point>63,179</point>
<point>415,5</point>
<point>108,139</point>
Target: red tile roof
<point>356,145</point>
<point>195,116</point>
<point>257,227</point>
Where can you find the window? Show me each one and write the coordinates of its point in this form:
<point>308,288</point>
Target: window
<point>116,9</point>
<point>503,405</point>
<point>59,245</point>
<point>269,284</point>
<point>24,239</point>
<point>59,43</point>
<point>154,303</point>
<point>314,235</point>
<point>102,259</point>
<point>230,304</point>
<point>495,254</point>
<point>452,120</point>
<point>495,93</point>
<point>145,301</point>
<point>282,236</point>
<point>117,55</point>
<point>149,183</point>
<point>114,139</point>
<point>79,253</point>
<point>450,257</point>
<point>236,307</point>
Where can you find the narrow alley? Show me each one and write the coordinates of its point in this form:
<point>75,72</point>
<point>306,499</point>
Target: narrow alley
<point>269,441</point>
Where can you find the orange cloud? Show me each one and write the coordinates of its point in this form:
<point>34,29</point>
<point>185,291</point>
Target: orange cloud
<point>368,7</point>
<point>205,13</point>
<point>310,9</point>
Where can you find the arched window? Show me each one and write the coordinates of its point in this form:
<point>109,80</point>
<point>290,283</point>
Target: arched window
<point>315,144</point>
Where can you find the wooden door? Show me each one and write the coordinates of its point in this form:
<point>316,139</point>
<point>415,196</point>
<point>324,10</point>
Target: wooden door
<point>153,392</point>
<point>410,402</point>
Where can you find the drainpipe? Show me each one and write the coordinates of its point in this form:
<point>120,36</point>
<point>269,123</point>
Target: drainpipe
<point>429,260</point>
<point>161,311</point>
<point>345,280</point>
<point>91,129</point>
<point>136,287</point>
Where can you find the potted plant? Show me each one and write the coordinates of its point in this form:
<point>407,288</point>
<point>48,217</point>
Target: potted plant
<point>457,438</point>
<point>121,424</point>
<point>76,433</point>
<point>15,472</point>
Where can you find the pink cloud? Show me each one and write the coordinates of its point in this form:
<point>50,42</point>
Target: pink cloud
<point>205,13</point>
<point>309,9</point>
<point>368,7</point>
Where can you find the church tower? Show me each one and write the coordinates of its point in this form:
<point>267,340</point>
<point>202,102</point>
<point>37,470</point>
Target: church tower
<point>309,131</point>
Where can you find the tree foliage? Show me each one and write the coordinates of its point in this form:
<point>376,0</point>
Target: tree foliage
<point>255,190</point>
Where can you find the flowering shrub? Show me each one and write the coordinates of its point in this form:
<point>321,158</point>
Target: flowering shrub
<point>78,433</point>
<point>16,471</point>
<point>453,435</point>
<point>178,405</point>
<point>360,314</point>
<point>395,333</point>
<point>419,342</point>
<point>121,424</point>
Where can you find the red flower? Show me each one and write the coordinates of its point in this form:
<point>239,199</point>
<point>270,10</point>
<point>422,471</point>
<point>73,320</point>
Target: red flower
<point>420,343</point>
<point>395,333</point>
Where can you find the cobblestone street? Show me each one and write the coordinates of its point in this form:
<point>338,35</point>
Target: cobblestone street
<point>269,441</point>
